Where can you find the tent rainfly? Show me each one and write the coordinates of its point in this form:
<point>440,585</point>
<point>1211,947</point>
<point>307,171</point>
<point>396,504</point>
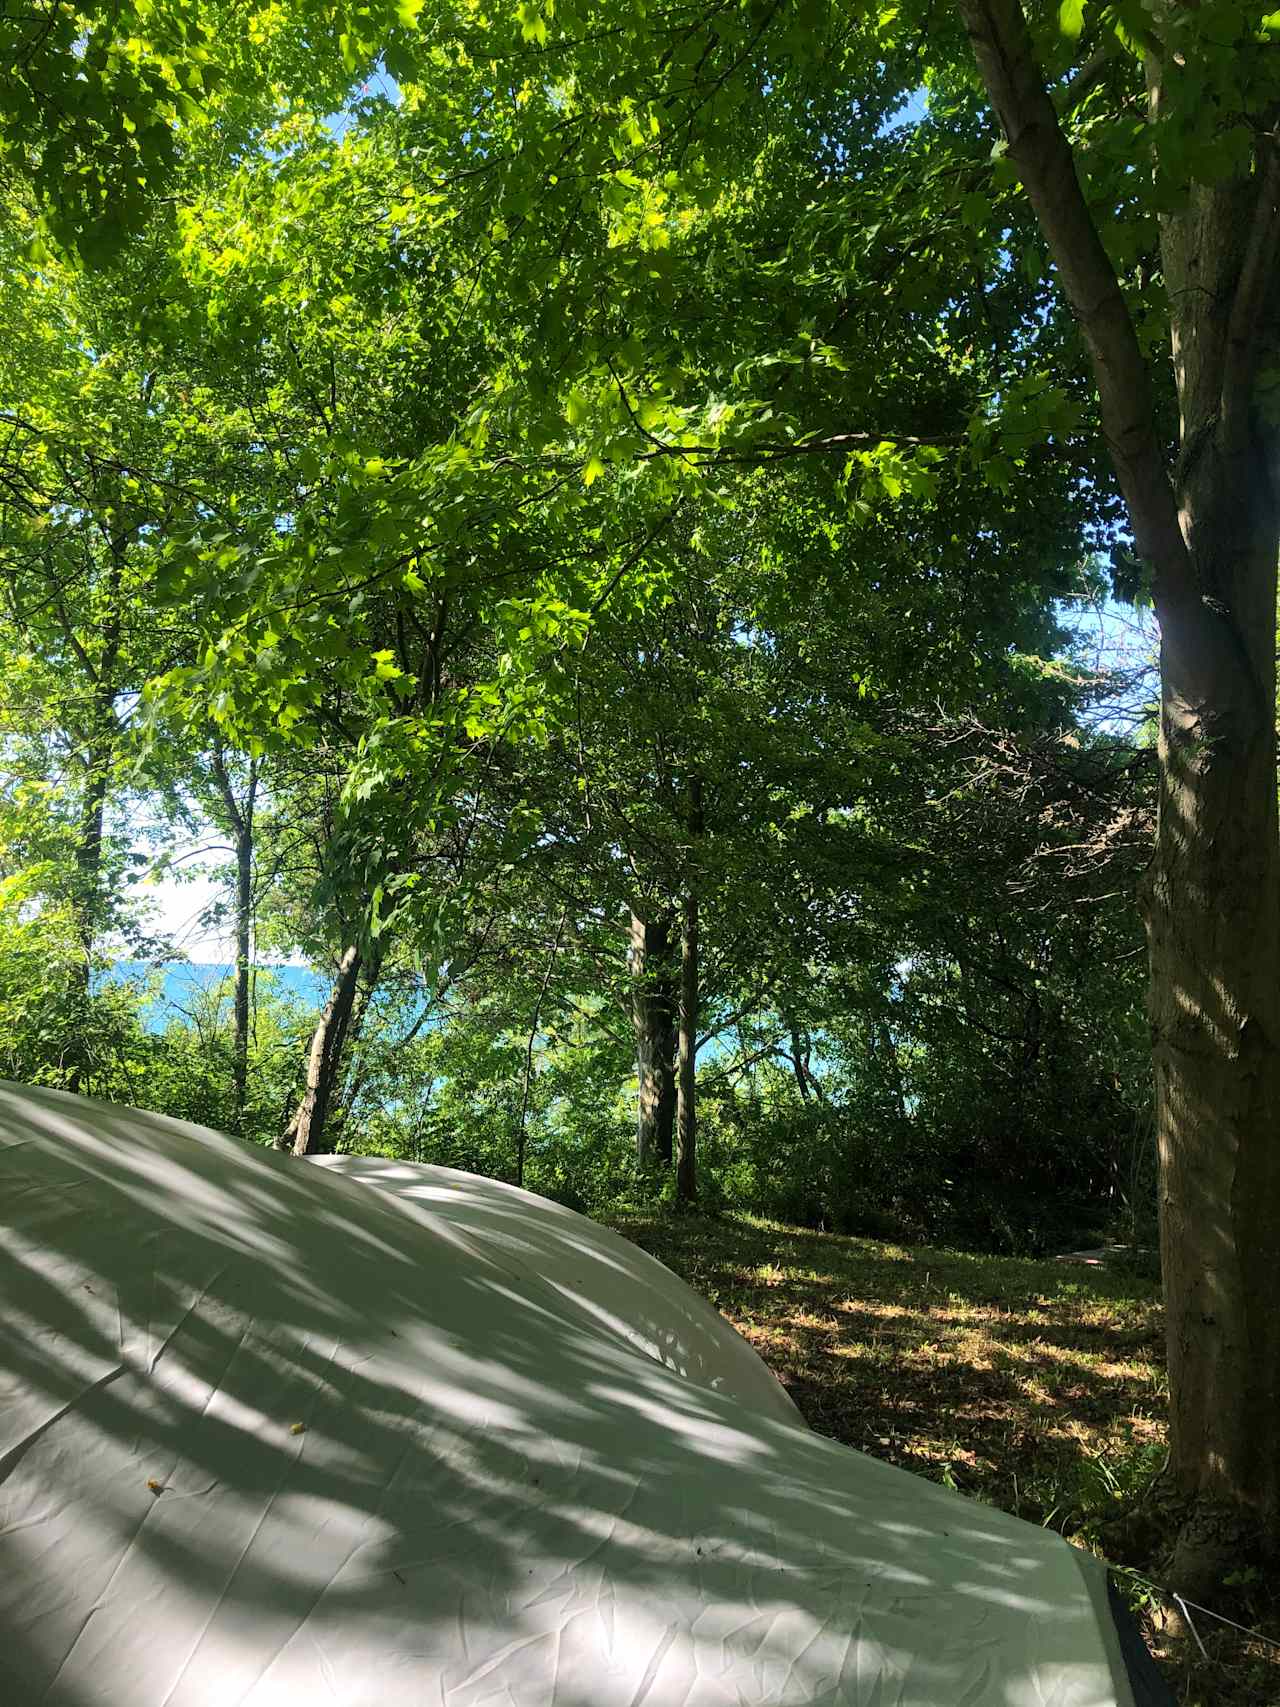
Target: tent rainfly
<point>374,1434</point>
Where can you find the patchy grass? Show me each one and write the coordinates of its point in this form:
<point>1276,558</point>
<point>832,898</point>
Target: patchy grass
<point>1037,1386</point>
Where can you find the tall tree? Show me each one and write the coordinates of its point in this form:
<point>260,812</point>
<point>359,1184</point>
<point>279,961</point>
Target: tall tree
<point>1205,516</point>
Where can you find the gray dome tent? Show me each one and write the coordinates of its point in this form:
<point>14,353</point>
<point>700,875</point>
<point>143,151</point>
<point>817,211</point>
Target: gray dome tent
<point>372,1434</point>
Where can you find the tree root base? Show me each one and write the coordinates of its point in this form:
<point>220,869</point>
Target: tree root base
<point>1213,1542</point>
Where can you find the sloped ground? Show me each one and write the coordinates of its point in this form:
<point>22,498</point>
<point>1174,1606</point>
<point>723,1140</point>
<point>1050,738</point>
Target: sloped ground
<point>1035,1386</point>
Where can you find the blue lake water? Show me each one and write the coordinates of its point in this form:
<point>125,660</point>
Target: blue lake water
<point>183,981</point>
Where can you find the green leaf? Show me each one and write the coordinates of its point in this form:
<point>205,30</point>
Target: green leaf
<point>533,26</point>
<point>385,668</point>
<point>1071,17</point>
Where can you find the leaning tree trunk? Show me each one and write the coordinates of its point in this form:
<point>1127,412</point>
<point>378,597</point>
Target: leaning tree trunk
<point>339,1112</point>
<point>1209,531</point>
<point>653,1017</point>
<point>798,1066</point>
<point>306,1132</point>
<point>686,1103</point>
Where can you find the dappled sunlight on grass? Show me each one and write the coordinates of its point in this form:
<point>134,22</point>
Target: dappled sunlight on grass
<point>984,1372</point>
<point>1036,1386</point>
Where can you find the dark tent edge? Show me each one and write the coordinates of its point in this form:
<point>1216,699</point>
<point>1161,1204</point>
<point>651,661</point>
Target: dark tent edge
<point>1149,1687</point>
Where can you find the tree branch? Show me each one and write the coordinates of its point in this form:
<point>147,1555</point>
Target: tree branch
<point>223,781</point>
<point>1087,78</point>
<point>1015,84</point>
<point>802,447</point>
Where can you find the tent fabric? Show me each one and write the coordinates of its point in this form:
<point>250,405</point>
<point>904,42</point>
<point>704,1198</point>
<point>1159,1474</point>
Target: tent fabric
<point>273,1433</point>
<point>590,1270</point>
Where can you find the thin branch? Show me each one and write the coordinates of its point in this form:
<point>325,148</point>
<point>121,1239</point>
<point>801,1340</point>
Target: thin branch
<point>630,562</point>
<point>1087,78</point>
<point>735,1068</point>
<point>833,442</point>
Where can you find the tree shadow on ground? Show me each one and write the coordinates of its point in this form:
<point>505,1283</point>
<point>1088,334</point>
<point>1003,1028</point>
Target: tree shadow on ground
<point>1009,1375</point>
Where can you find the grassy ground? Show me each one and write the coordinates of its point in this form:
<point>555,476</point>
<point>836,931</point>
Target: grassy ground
<point>1036,1386</point>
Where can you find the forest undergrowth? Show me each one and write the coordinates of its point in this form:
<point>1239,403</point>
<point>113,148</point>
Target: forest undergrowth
<point>1035,1386</point>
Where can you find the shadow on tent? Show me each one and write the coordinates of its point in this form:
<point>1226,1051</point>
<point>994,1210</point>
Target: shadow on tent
<point>266,1429</point>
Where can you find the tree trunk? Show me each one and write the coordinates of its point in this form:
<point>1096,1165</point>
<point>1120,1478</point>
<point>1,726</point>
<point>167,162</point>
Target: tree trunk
<point>1209,531</point>
<point>653,1016</point>
<point>244,928</point>
<point>687,1109</point>
<point>1213,905</point>
<point>339,1113</point>
<point>1213,919</point>
<point>240,823</point>
<point>89,843</point>
<point>888,1051</point>
<point>100,754</point>
<point>798,1055</point>
<point>801,1056</point>
<point>522,1125</point>
<point>305,1134</point>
